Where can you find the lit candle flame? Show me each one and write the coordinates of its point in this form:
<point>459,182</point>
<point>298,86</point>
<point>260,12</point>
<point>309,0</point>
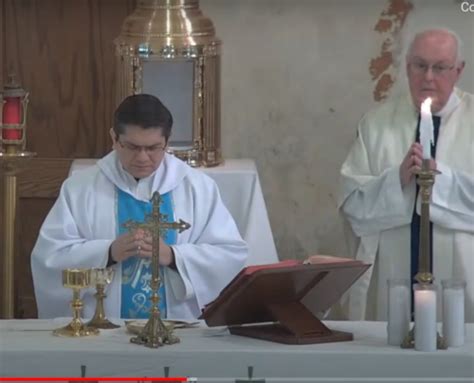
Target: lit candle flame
<point>426,105</point>
<point>426,128</point>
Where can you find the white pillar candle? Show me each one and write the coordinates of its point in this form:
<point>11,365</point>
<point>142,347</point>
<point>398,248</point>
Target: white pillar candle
<point>425,318</point>
<point>398,318</point>
<point>426,128</point>
<point>453,312</point>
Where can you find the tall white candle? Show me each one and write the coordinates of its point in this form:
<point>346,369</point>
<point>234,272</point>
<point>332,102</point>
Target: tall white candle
<point>453,314</point>
<point>426,128</point>
<point>398,323</point>
<point>425,318</point>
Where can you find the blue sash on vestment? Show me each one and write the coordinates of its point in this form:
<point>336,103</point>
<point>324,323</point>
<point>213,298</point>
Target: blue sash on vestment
<point>136,272</point>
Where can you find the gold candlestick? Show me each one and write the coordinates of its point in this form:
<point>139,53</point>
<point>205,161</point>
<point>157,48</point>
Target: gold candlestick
<point>13,159</point>
<point>76,279</point>
<point>155,333</point>
<point>101,278</point>
<point>426,179</point>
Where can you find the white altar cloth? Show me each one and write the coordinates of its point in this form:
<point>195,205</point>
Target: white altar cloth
<point>27,348</point>
<point>241,192</point>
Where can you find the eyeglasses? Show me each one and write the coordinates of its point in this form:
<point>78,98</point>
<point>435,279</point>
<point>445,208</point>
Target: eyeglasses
<point>151,150</point>
<point>420,67</point>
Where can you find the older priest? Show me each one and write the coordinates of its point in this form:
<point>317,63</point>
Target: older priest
<point>84,228</point>
<point>378,189</point>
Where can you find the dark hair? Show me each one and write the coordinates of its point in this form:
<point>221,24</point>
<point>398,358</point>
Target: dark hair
<point>143,110</point>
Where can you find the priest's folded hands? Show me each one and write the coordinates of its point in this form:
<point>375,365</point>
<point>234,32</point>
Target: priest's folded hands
<point>139,244</point>
<point>411,164</point>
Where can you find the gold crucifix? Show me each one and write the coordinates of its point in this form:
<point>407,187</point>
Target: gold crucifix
<point>155,333</point>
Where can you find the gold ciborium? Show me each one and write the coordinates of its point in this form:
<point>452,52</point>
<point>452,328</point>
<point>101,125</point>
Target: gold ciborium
<point>101,278</point>
<point>76,279</point>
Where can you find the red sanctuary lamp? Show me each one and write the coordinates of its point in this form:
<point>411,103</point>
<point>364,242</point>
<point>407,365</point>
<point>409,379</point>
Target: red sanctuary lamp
<point>13,159</point>
<point>13,121</point>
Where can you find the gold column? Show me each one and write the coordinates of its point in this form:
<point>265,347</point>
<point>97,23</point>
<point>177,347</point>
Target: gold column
<point>9,208</point>
<point>11,163</point>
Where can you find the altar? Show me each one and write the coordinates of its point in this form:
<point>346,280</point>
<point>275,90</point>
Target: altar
<point>239,186</point>
<point>27,348</point>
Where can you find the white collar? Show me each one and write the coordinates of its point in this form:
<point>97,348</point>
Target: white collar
<point>453,101</point>
<point>168,175</point>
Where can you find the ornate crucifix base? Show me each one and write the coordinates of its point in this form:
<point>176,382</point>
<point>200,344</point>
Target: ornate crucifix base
<point>155,333</point>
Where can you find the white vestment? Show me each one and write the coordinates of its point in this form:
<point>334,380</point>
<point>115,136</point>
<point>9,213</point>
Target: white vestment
<point>380,211</point>
<point>82,224</point>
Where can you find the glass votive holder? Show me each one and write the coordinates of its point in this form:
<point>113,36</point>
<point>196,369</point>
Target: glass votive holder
<point>398,310</point>
<point>425,317</point>
<point>453,312</point>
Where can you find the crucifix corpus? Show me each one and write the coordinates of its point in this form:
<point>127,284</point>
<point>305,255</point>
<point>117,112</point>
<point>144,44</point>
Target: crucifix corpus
<point>155,333</point>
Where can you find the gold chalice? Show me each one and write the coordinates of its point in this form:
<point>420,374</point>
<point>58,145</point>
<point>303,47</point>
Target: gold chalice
<point>76,279</point>
<point>101,278</point>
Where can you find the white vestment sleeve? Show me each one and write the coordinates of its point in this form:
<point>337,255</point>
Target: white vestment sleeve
<point>452,203</point>
<point>373,202</point>
<point>62,244</point>
<point>214,253</point>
